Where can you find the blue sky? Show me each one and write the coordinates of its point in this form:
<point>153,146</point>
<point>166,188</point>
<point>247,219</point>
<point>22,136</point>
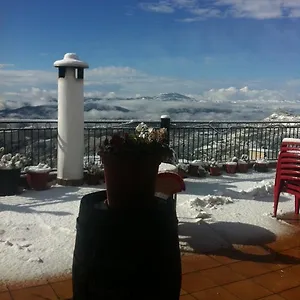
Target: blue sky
<point>132,46</point>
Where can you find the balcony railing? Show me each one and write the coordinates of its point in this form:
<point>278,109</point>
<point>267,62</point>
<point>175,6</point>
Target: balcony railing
<point>191,140</point>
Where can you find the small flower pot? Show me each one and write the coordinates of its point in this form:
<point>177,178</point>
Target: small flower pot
<point>261,167</point>
<point>193,170</point>
<point>231,167</point>
<point>93,179</point>
<point>9,181</point>
<point>242,167</point>
<point>215,171</point>
<point>38,181</point>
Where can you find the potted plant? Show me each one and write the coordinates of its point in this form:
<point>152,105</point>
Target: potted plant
<point>261,165</point>
<point>243,163</point>
<point>131,163</point>
<point>231,166</point>
<point>10,171</point>
<point>38,176</point>
<point>214,168</point>
<point>94,173</point>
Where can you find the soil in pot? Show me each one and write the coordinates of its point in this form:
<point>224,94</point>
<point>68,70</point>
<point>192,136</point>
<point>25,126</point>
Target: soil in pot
<point>130,179</point>
<point>231,167</point>
<point>9,181</point>
<point>38,180</point>
<point>215,171</point>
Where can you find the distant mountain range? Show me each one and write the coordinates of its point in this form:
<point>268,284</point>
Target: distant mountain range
<point>176,105</point>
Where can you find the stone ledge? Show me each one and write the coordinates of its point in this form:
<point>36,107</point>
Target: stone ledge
<point>70,182</point>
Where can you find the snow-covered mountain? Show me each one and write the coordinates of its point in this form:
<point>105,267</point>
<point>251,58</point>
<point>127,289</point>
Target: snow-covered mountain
<point>178,106</point>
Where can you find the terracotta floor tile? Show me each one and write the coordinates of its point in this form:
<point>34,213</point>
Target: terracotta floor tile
<point>222,275</point>
<point>294,253</point>
<point>187,297</point>
<point>249,269</point>
<point>217,293</point>
<point>247,290</point>
<point>63,289</point>
<point>295,270</point>
<point>5,296</point>
<point>35,293</point>
<point>191,263</point>
<point>278,281</point>
<point>3,287</point>
<point>273,297</point>
<point>286,242</point>
<point>60,277</point>
<point>291,294</point>
<point>25,284</point>
<point>194,282</point>
<point>224,257</point>
<point>183,292</point>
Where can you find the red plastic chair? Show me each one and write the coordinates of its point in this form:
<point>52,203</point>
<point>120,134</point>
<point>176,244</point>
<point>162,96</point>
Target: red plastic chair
<point>169,184</point>
<point>290,145</point>
<point>287,178</point>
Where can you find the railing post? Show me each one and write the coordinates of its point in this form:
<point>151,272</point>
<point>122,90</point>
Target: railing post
<point>165,122</point>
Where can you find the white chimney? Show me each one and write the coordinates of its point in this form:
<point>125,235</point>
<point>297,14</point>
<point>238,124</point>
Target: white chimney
<point>70,149</point>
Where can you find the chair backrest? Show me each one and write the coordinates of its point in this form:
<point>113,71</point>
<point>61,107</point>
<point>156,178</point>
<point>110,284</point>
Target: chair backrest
<point>288,166</point>
<point>290,144</point>
<point>169,183</point>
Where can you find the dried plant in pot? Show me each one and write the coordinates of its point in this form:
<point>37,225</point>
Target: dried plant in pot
<point>38,176</point>
<point>131,163</point>
<point>231,166</point>
<point>214,168</point>
<point>10,171</point>
<point>94,173</point>
<point>243,163</point>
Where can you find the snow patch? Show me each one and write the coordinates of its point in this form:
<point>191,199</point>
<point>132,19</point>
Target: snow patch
<point>260,189</point>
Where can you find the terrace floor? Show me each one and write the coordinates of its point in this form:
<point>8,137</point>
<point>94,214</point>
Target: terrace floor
<point>234,266</point>
<point>265,272</point>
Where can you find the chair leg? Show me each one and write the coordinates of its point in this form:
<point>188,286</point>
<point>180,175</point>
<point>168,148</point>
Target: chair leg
<point>297,205</point>
<point>277,190</point>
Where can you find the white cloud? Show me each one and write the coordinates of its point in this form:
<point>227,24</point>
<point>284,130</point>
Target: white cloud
<point>160,7</point>
<point>255,9</point>
<point>2,66</point>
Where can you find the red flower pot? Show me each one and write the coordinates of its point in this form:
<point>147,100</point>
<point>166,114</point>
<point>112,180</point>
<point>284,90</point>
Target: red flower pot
<point>38,180</point>
<point>231,168</point>
<point>261,167</point>
<point>215,171</point>
<point>243,167</point>
<point>130,179</point>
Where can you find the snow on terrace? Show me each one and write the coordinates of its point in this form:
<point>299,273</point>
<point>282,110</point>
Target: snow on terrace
<point>37,229</point>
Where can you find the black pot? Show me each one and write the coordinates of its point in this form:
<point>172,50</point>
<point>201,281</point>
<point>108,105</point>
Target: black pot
<point>132,254</point>
<point>9,181</point>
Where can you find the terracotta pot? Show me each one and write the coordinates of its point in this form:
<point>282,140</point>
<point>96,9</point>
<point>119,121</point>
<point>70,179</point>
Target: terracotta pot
<point>9,181</point>
<point>193,170</point>
<point>261,167</point>
<point>231,168</point>
<point>93,179</point>
<point>215,171</point>
<point>130,179</point>
<point>38,181</point>
<point>242,167</point>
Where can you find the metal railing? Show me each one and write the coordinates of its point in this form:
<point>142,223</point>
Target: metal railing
<point>191,140</point>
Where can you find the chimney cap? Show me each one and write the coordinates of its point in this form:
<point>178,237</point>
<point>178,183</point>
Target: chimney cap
<point>70,60</point>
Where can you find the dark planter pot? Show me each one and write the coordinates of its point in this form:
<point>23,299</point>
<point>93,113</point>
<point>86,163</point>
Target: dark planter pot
<point>130,179</point>
<point>231,168</point>
<point>9,181</point>
<point>106,263</point>
<point>38,181</point>
<point>194,170</point>
<point>215,171</point>
<point>243,168</point>
<point>93,179</point>
<point>261,167</point>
